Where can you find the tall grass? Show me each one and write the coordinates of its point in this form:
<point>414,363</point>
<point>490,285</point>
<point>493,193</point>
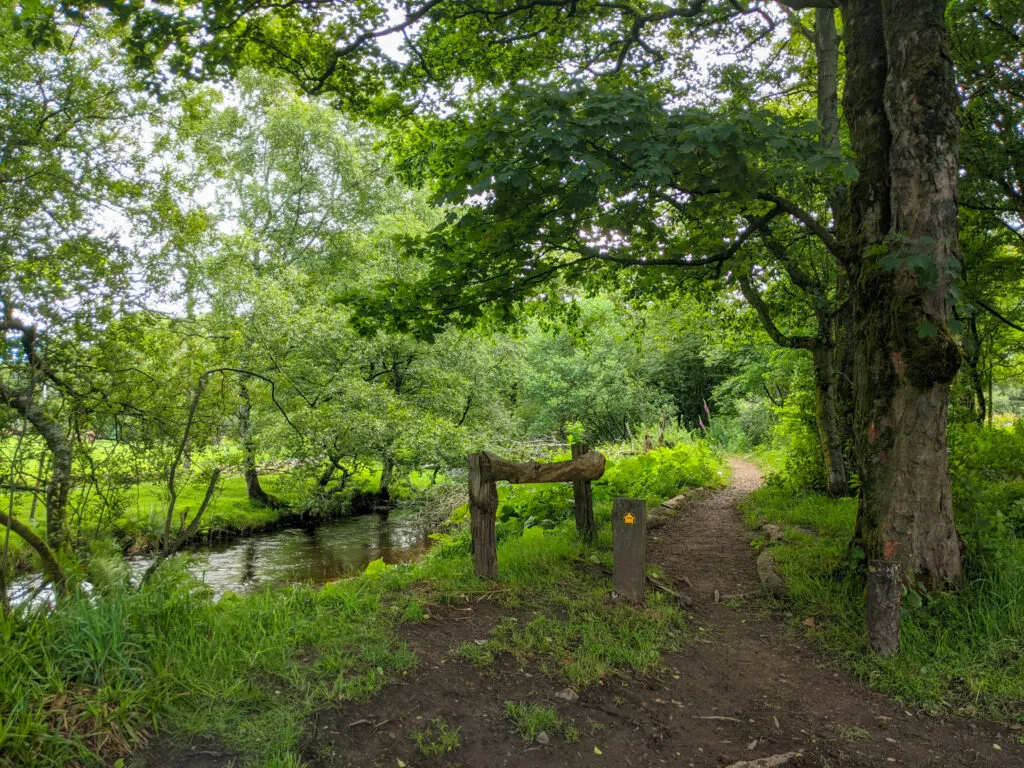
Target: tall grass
<point>93,677</point>
<point>961,651</point>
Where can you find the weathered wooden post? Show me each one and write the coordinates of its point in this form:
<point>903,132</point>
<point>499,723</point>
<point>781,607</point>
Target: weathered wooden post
<point>629,549</point>
<point>583,500</point>
<point>483,509</point>
<point>883,609</point>
<point>486,469</point>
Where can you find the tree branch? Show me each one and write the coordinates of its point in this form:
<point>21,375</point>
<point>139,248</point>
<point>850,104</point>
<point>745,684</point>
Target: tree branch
<point>995,313</point>
<point>805,218</point>
<point>186,534</point>
<point>764,314</point>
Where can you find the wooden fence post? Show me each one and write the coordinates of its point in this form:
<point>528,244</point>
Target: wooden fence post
<point>583,500</point>
<point>629,549</point>
<point>483,509</point>
<point>883,610</point>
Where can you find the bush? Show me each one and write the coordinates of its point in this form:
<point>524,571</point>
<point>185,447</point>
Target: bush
<point>545,505</point>
<point>987,470</point>
<point>803,468</point>
<point>665,472</point>
<point>796,436</point>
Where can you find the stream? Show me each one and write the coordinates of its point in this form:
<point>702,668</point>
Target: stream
<point>302,555</point>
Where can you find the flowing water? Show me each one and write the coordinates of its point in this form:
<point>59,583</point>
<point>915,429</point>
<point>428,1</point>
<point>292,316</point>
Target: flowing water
<point>315,554</point>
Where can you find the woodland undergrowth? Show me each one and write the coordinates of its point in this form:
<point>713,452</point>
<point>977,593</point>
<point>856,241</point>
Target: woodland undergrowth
<point>92,680</point>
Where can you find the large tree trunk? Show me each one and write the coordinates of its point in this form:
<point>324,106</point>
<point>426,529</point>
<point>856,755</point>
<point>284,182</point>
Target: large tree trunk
<point>842,370</point>
<point>901,106</point>
<point>836,424</point>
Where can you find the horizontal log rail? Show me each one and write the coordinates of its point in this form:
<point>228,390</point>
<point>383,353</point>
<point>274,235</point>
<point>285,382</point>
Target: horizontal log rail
<point>589,466</point>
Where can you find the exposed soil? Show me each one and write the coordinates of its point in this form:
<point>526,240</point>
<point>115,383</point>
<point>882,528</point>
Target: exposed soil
<point>748,688</point>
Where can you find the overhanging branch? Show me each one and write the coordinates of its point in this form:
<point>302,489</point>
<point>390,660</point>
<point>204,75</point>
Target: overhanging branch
<point>755,300</point>
<point>996,314</point>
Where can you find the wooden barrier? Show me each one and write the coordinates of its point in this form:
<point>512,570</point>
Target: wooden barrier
<point>486,469</point>
<point>583,499</point>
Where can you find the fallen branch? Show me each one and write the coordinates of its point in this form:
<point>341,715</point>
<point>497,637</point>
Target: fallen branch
<point>656,583</point>
<point>688,602</point>
<point>737,596</point>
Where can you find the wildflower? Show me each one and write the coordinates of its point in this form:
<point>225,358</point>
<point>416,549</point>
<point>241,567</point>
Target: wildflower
<point>701,422</point>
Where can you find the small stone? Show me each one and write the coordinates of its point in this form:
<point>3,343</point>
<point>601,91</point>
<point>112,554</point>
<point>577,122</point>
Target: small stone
<point>542,738</point>
<point>773,532</point>
<point>568,694</point>
<point>770,579</point>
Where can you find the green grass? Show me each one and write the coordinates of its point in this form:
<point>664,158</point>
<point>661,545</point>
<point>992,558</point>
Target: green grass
<point>530,719</point>
<point>961,652</point>
<point>249,672</point>
<point>475,653</point>
<point>438,738</point>
<point>89,678</point>
<point>86,682</point>
<point>830,517</point>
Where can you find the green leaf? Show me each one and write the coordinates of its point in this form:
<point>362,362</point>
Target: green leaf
<point>891,261</point>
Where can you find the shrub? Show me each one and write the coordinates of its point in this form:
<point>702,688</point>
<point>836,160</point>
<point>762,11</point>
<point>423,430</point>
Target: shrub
<point>665,472</point>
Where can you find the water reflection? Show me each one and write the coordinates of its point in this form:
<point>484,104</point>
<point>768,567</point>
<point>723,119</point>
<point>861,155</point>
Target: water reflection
<point>310,555</point>
<point>315,554</point>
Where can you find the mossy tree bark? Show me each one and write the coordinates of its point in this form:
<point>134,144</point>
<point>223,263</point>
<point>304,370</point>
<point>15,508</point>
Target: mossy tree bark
<point>900,103</point>
<point>826,51</point>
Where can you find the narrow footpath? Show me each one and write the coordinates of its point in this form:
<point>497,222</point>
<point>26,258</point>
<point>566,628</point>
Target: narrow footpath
<point>748,693</point>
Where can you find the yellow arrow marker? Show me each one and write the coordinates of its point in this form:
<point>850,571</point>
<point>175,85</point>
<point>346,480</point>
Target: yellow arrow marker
<point>629,519</point>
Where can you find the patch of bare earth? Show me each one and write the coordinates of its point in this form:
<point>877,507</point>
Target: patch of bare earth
<point>749,688</point>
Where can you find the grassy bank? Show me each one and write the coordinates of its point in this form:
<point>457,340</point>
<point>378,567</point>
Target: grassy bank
<point>961,652</point>
<point>86,683</point>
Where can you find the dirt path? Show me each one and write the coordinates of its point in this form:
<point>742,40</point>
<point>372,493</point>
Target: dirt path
<point>786,695</point>
<point>749,687</point>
